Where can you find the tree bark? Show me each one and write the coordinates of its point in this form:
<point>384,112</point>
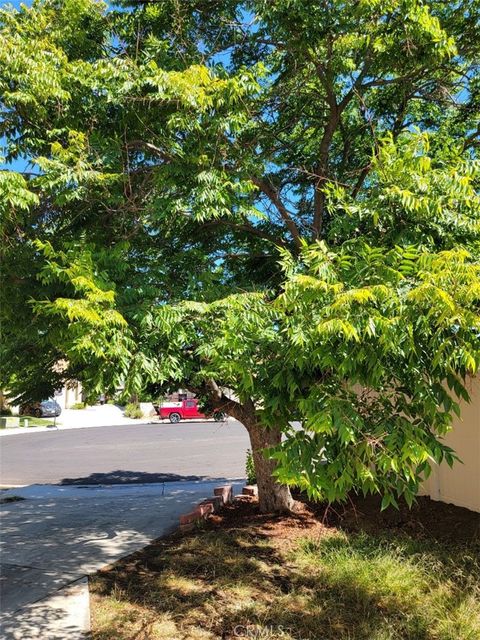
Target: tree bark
<point>273,497</point>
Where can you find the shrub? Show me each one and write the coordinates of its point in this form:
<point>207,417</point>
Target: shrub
<point>132,410</point>
<point>5,411</point>
<point>78,405</point>
<point>250,468</point>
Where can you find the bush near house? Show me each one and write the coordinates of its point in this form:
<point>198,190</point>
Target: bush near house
<point>78,405</point>
<point>133,410</point>
<point>250,468</point>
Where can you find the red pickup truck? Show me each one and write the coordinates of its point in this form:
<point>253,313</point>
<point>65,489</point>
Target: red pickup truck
<point>184,410</point>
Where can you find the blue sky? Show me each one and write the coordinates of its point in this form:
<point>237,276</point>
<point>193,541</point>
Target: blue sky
<point>16,3</point>
<point>18,165</point>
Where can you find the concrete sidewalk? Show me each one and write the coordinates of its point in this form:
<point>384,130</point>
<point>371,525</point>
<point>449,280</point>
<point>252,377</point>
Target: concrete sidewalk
<point>58,535</point>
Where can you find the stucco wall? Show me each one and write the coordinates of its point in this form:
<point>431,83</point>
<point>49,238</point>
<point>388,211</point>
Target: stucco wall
<point>66,396</point>
<point>460,485</point>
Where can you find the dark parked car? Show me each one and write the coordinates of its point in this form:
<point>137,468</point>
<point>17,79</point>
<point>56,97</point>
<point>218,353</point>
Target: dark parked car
<point>43,409</point>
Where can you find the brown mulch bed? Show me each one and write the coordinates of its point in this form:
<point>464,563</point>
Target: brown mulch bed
<point>426,519</point>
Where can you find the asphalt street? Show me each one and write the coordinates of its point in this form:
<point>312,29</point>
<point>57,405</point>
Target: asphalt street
<point>139,453</point>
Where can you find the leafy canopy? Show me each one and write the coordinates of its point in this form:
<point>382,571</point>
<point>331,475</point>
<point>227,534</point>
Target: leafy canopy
<point>175,150</point>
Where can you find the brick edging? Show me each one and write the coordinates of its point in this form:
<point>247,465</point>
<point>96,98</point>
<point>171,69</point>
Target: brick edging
<point>221,495</point>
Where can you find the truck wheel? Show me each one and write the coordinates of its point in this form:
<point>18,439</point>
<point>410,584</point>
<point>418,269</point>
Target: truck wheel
<point>175,417</point>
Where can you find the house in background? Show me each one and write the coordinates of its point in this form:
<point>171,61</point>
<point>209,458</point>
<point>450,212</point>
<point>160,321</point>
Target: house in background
<point>179,395</point>
<point>69,395</point>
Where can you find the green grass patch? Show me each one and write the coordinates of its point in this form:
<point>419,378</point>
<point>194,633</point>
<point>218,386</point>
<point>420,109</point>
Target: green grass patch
<point>383,588</point>
<point>22,421</point>
<point>243,580</point>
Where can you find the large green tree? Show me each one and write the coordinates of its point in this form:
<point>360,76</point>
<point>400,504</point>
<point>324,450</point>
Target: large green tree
<point>175,149</point>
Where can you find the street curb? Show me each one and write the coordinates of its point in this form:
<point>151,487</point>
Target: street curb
<point>6,487</point>
<point>13,431</point>
<point>16,431</point>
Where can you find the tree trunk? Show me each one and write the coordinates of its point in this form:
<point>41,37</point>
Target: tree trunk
<point>272,496</point>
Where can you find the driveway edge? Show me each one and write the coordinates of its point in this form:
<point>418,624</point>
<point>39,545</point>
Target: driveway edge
<point>62,614</point>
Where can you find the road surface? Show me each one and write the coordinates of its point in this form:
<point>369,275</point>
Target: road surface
<point>140,453</point>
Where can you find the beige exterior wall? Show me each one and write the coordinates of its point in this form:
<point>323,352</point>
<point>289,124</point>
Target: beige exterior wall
<point>460,485</point>
<point>68,395</point>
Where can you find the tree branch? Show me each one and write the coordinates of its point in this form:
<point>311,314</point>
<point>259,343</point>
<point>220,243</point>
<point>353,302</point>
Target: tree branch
<point>472,139</point>
<point>336,110</point>
<point>249,228</point>
<point>242,413</point>
<point>148,146</point>
<point>361,179</point>
<point>272,195</point>
<point>322,170</point>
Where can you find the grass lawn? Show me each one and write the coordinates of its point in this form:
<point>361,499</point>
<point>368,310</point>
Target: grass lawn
<point>15,422</point>
<point>355,575</point>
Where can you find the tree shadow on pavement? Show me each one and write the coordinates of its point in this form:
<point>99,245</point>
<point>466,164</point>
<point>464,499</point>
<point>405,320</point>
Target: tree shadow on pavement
<point>59,534</point>
<point>134,477</point>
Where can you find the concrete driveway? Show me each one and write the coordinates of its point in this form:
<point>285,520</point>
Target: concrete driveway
<point>58,535</point>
